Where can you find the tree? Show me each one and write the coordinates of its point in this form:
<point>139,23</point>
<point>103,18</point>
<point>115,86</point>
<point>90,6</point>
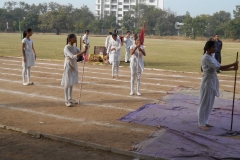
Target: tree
<point>236,12</point>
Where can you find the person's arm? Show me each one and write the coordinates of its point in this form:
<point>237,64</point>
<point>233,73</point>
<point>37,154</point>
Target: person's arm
<point>133,49</point>
<point>34,51</point>
<point>71,55</point>
<point>229,67</point>
<point>23,51</point>
<point>143,51</point>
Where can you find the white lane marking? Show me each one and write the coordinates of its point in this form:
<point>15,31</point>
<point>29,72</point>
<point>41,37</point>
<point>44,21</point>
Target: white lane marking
<point>81,120</point>
<point>90,77</point>
<point>104,69</point>
<point>156,74</point>
<point>94,91</point>
<point>92,83</point>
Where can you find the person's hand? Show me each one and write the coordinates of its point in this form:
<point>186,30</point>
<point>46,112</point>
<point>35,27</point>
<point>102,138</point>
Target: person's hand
<point>113,49</point>
<point>236,65</point>
<point>138,46</point>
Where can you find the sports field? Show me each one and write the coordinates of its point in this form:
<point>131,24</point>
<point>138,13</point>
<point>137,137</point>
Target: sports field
<point>177,55</point>
<point>40,107</point>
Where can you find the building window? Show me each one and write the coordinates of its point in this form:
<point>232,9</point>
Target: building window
<point>113,12</point>
<point>114,7</point>
<point>106,12</point>
<point>107,0</point>
<point>119,15</point>
<point>114,1</point>
<point>98,12</point>
<point>119,9</point>
<point>142,1</point>
<point>119,3</point>
<point>125,7</point>
<point>126,1</point>
<point>151,1</point>
<point>98,1</point>
<point>107,6</point>
<point>98,7</point>
<point>132,1</point>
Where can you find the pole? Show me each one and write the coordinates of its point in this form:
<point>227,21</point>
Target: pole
<point>234,94</point>
<point>19,26</point>
<point>80,43</point>
<point>81,82</point>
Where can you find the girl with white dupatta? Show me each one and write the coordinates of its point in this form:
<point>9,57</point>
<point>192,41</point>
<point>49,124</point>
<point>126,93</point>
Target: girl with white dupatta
<point>136,64</point>
<point>70,74</point>
<point>210,84</point>
<point>114,52</point>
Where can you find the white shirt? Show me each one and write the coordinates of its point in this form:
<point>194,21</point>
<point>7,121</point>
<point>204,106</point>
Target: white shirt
<point>86,40</point>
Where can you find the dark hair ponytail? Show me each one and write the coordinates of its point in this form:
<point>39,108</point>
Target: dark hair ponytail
<point>70,36</point>
<point>27,31</point>
<point>24,34</point>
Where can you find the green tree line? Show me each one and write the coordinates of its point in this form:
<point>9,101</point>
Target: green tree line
<point>54,17</point>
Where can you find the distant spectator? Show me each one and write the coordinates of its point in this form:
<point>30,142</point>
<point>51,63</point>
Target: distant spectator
<point>218,44</point>
<point>128,43</point>
<point>108,40</point>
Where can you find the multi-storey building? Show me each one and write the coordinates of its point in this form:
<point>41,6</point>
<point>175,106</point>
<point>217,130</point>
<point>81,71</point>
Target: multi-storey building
<point>120,7</point>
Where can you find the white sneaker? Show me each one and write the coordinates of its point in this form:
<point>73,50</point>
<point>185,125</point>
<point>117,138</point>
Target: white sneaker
<point>68,104</point>
<point>72,101</point>
<point>139,94</point>
<point>25,84</point>
<point>131,93</point>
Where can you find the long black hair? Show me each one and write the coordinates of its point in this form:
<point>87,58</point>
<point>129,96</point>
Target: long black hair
<point>209,44</point>
<point>27,31</point>
<point>70,36</point>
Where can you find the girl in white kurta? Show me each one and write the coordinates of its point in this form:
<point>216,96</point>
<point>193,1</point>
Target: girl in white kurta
<point>29,56</point>
<point>70,74</point>
<point>86,43</point>
<point>136,65</point>
<point>114,52</point>
<point>210,84</point>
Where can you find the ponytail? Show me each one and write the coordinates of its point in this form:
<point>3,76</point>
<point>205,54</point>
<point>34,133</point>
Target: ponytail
<point>27,31</point>
<point>24,34</point>
<point>70,36</point>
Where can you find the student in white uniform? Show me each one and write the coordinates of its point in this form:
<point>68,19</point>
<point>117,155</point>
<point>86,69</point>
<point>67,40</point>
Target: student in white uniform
<point>114,52</point>
<point>108,39</point>
<point>128,43</point>
<point>136,64</point>
<point>210,84</point>
<point>29,56</point>
<point>86,43</point>
<point>70,74</point>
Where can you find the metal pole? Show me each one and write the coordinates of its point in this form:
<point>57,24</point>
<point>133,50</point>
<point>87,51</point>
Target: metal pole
<point>234,94</point>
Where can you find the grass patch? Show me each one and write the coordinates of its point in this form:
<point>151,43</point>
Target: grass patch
<point>178,55</point>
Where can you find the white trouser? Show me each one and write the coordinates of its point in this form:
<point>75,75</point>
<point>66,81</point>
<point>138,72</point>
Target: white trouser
<point>135,72</point>
<point>127,54</point>
<point>68,93</point>
<point>26,70</point>
<point>115,66</point>
<point>207,97</point>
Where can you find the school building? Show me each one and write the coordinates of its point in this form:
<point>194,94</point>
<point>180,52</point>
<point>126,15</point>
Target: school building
<point>121,7</point>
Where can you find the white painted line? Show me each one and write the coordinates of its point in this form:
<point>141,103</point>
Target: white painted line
<point>80,120</point>
<point>61,100</point>
<point>104,69</point>
<point>92,83</point>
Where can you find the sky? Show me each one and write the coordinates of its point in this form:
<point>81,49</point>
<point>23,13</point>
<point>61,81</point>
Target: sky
<point>180,7</point>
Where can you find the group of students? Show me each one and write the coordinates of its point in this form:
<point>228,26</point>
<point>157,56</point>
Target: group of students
<point>209,85</point>
<point>113,46</point>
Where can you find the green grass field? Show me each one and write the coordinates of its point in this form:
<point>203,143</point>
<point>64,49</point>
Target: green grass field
<point>178,55</point>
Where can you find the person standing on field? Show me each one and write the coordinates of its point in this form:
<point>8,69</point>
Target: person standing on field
<point>70,74</point>
<point>114,52</point>
<point>86,44</point>
<point>29,56</point>
<point>219,45</point>
<point>210,85</point>
<point>136,64</point>
<point>128,43</point>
